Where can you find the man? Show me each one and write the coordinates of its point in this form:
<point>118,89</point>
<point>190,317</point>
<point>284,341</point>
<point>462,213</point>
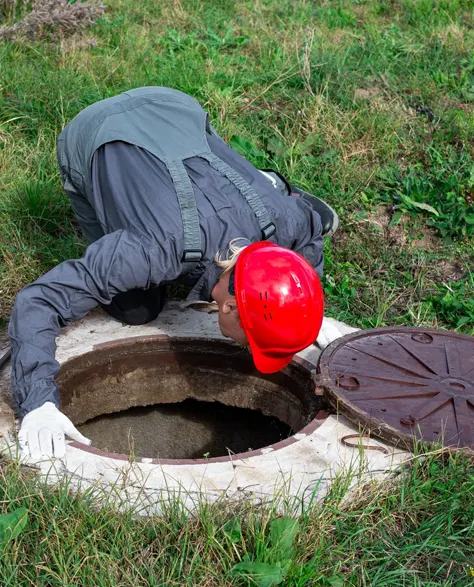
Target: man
<point>158,195</point>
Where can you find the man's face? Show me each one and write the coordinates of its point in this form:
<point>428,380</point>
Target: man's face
<point>228,316</point>
<point>229,324</point>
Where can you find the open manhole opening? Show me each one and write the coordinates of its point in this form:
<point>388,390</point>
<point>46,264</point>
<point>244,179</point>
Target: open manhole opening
<point>187,430</point>
<point>181,398</point>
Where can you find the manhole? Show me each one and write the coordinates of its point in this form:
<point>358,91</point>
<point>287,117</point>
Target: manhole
<point>187,430</point>
<point>404,384</point>
<point>182,398</point>
<point>115,372</point>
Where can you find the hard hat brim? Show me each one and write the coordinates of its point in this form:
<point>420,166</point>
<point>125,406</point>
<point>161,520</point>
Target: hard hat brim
<point>266,364</point>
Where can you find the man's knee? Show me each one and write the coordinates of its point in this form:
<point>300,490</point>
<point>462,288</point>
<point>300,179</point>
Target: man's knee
<point>138,316</point>
<point>137,307</point>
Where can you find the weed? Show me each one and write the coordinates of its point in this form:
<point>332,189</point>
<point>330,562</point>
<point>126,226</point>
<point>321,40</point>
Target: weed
<point>365,103</point>
<point>443,187</point>
<point>50,19</point>
<point>276,559</point>
<point>335,96</point>
<point>12,525</point>
<point>414,530</point>
<point>455,305</point>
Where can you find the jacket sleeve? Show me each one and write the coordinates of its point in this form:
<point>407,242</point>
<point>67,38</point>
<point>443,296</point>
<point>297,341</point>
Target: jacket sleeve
<point>116,263</point>
<point>309,241</point>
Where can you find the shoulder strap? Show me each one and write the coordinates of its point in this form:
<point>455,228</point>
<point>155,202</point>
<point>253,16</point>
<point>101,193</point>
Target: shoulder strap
<point>263,217</point>
<point>187,205</point>
<point>193,252</point>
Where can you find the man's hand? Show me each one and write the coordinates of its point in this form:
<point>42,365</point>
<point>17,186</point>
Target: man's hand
<point>42,433</point>
<point>331,330</point>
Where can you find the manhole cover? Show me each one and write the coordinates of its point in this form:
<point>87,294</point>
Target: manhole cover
<point>404,384</point>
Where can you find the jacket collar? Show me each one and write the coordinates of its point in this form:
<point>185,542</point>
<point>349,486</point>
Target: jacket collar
<point>203,288</point>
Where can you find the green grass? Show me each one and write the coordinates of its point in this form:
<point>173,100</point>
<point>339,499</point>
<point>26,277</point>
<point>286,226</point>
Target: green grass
<point>418,531</point>
<point>366,103</point>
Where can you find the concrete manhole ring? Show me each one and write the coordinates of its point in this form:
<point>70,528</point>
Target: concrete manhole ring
<point>102,359</point>
<point>162,370</point>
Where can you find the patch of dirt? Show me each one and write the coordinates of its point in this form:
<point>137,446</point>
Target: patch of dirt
<point>448,103</point>
<point>428,241</point>
<point>399,234</point>
<point>446,271</point>
<point>77,43</point>
<point>361,12</point>
<point>367,93</point>
<point>380,217</point>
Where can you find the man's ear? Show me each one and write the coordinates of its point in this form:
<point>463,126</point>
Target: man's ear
<point>229,306</point>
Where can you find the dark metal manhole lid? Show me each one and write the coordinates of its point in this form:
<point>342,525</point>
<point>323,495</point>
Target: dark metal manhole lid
<point>404,384</point>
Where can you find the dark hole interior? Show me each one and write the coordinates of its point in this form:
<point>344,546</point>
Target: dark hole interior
<point>183,398</point>
<point>188,430</point>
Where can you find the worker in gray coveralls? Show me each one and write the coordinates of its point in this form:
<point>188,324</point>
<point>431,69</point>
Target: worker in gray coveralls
<point>157,194</point>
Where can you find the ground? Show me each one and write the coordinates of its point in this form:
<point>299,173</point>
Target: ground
<point>366,103</point>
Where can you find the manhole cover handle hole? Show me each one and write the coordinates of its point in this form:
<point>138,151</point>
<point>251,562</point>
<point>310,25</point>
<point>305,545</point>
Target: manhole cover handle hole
<point>348,382</point>
<point>422,337</point>
<point>407,421</point>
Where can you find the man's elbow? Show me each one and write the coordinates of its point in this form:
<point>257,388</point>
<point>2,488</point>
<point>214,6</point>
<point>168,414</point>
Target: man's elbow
<point>21,308</point>
<point>31,302</point>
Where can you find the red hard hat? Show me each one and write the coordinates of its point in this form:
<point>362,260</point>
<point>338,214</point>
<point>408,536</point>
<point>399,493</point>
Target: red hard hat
<point>280,303</point>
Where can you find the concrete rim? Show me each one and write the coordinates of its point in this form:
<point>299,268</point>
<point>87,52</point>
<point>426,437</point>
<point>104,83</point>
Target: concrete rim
<point>300,468</point>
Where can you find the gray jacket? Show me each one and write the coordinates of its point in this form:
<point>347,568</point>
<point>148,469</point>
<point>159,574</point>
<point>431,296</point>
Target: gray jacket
<point>128,209</point>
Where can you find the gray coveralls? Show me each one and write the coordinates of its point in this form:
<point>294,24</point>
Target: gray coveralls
<point>157,194</point>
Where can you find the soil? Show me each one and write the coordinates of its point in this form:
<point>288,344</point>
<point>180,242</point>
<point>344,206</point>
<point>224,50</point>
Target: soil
<point>398,234</point>
<point>449,271</point>
<point>367,93</point>
<point>187,430</point>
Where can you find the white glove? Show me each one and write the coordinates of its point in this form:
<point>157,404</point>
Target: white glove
<point>42,433</point>
<point>331,330</point>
